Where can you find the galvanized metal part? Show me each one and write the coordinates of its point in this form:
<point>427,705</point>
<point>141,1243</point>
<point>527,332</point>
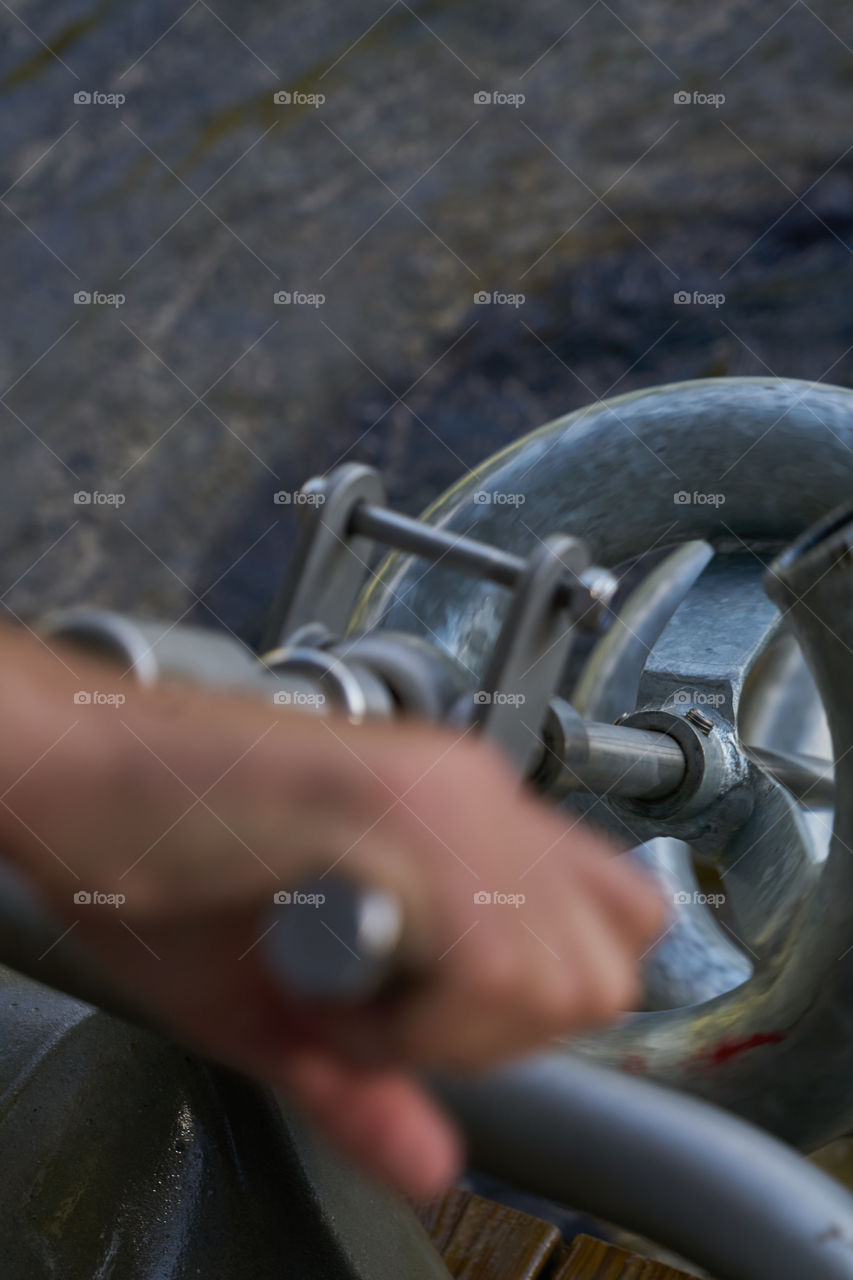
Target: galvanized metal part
<point>329,566</point>
<point>714,774</point>
<point>611,678</point>
<point>778,456</point>
<point>588,591</point>
<point>696,959</point>
<point>810,779</point>
<point>530,653</point>
<point>686,771</point>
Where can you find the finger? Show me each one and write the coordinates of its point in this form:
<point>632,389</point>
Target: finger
<point>506,995</point>
<point>606,978</point>
<point>630,898</point>
<point>382,1121</point>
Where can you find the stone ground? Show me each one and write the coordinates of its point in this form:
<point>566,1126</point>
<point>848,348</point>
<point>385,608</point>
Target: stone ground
<point>398,198</point>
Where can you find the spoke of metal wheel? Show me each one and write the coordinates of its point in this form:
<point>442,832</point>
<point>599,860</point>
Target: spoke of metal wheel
<point>702,662</point>
<point>810,781</point>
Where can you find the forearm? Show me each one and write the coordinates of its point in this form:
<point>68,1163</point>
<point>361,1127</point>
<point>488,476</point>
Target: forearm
<point>179,793</point>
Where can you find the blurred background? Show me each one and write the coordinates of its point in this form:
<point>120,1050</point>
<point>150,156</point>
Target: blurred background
<point>242,242</point>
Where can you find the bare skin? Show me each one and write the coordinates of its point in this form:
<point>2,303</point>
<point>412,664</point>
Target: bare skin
<point>198,806</point>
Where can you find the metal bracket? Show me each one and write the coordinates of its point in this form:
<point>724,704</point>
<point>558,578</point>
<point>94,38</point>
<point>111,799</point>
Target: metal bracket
<point>530,652</point>
<point>329,565</point>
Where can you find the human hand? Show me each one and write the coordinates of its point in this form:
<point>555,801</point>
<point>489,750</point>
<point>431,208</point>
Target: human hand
<point>197,807</point>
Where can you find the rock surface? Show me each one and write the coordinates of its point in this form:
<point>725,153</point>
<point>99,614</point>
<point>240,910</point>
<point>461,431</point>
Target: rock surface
<point>398,198</point>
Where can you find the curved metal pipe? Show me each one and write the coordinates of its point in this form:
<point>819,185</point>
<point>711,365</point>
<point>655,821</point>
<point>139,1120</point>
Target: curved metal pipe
<point>706,1184</point>
<point>653,445</point>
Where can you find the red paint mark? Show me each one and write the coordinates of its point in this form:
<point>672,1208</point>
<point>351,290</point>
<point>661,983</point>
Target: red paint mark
<point>728,1049</point>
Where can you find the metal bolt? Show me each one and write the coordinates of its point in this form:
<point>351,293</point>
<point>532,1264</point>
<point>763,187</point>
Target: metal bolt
<point>702,722</point>
<point>602,586</point>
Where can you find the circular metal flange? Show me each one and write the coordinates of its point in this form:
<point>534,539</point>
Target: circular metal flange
<point>351,689</point>
<point>715,769</point>
<point>423,680</point>
<point>697,748</point>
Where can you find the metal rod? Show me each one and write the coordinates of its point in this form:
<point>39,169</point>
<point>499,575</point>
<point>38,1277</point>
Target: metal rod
<point>406,534</point>
<point>628,762</point>
<point>477,559</point>
<point>606,759</point>
<point>618,760</point>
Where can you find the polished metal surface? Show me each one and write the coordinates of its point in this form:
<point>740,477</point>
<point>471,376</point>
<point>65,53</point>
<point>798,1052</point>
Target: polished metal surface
<point>151,651</point>
<point>346,688</point>
<point>421,679</point>
<point>605,759</point>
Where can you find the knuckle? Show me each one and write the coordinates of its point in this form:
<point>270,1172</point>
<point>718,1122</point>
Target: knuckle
<point>497,979</point>
<point>557,1005</point>
<point>479,764</point>
<point>446,772</point>
<point>616,989</point>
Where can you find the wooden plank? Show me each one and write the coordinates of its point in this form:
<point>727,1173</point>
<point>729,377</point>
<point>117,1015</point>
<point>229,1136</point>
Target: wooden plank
<point>590,1259</point>
<point>493,1242</point>
<point>481,1240</point>
<point>441,1217</point>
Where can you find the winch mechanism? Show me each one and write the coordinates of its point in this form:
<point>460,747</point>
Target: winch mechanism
<point>703,725</point>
